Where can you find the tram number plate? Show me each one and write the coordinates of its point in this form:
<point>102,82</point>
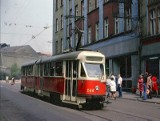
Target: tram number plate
<point>90,90</point>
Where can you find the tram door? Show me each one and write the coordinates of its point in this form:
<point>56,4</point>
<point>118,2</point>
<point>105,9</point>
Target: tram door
<point>71,80</point>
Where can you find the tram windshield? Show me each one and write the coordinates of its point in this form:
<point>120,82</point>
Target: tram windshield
<point>94,70</point>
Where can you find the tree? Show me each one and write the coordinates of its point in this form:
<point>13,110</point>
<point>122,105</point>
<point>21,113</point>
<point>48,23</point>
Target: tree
<point>15,71</point>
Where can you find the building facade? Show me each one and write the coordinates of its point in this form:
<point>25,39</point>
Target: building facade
<point>150,36</point>
<point>114,27</point>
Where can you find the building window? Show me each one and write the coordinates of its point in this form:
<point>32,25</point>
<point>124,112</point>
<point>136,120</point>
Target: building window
<point>56,4</point>
<point>97,31</point>
<point>89,35</point>
<point>105,1</point>
<point>106,25</point>
<point>152,22</point>
<point>70,14</point>
<point>61,21</point>
<point>76,12</point>
<point>89,5</point>
<point>116,25</point>
<point>82,39</point>
<point>107,67</point>
<point>159,20</point>
<point>82,8</point>
<point>125,66</point>
<point>152,66</point>
<point>56,47</point>
<point>61,2</point>
<point>56,24</point>
<point>76,39</point>
<point>128,19</point>
<point>96,3</point>
<point>62,45</point>
<point>70,42</point>
<point>70,4</point>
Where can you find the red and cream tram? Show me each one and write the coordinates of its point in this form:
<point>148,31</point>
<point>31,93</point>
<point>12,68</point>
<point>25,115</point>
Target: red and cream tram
<point>76,78</point>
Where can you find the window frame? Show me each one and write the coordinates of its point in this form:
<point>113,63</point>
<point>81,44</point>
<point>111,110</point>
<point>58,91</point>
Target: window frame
<point>116,19</point>
<point>56,24</point>
<point>106,27</point>
<point>152,17</point>
<point>97,31</point>
<point>89,34</point>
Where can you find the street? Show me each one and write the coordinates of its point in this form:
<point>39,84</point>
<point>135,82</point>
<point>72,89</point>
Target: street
<point>15,106</point>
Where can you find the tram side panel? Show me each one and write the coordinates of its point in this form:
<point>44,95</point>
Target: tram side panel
<point>37,83</point>
<point>28,82</point>
<point>53,84</point>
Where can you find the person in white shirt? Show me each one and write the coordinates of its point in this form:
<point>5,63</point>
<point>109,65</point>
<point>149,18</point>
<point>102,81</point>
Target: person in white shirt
<point>113,88</point>
<point>120,80</point>
<point>114,78</point>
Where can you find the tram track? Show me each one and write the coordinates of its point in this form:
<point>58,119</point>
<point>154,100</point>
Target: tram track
<point>127,116</point>
<point>107,119</point>
<point>101,114</point>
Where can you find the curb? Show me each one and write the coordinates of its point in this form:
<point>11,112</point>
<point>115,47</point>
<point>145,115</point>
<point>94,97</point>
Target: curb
<point>141,100</point>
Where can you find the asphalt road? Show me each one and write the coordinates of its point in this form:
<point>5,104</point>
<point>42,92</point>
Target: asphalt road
<point>15,106</point>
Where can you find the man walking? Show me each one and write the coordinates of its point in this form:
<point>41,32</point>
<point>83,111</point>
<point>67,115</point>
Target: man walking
<point>145,86</point>
<point>120,80</point>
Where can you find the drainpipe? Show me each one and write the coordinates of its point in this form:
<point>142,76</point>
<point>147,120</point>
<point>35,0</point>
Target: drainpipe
<point>140,37</point>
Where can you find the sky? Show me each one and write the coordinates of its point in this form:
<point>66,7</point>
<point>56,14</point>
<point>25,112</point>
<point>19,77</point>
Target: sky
<point>27,22</point>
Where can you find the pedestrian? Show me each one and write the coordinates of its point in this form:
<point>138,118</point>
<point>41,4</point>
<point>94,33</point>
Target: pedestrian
<point>149,86</point>
<point>120,80</point>
<point>140,85</point>
<point>114,78</point>
<point>13,81</point>
<point>108,87</point>
<point>113,88</point>
<point>145,85</point>
<point>155,85</point>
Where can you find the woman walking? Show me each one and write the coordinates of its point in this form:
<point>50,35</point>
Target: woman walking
<point>155,85</point>
<point>140,85</point>
<point>113,88</point>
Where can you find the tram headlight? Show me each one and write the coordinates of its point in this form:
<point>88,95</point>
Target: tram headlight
<point>97,88</point>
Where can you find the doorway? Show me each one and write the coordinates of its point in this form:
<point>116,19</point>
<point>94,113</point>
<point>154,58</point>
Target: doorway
<point>71,80</point>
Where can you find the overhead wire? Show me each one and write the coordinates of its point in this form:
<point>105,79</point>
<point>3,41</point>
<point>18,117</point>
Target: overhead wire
<point>35,36</point>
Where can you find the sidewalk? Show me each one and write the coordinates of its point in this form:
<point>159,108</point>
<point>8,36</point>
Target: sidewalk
<point>131,96</point>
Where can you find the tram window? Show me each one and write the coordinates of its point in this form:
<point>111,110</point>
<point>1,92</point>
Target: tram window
<point>41,70</point>
<point>74,88</point>
<point>75,69</point>
<point>68,67</point>
<point>82,71</point>
<point>94,70</point>
<point>37,70</point>
<point>58,69</point>
<point>23,71</point>
<point>52,69</point>
<point>30,70</point>
<point>46,69</point>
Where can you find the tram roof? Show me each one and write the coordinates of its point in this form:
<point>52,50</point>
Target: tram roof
<point>67,56</point>
<point>73,55</point>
